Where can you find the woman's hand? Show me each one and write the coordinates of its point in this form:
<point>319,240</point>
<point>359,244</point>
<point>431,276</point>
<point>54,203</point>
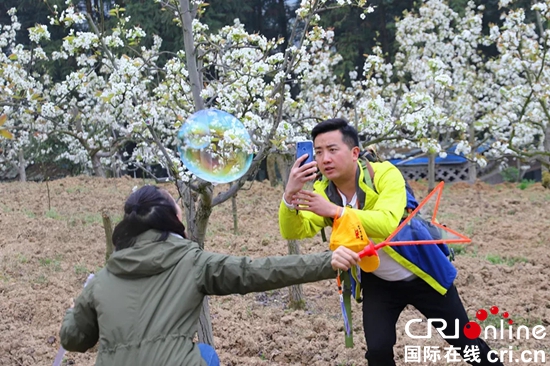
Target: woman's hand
<point>343,258</point>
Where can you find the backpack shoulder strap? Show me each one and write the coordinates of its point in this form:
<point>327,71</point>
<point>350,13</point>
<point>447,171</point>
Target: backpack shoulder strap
<point>369,178</point>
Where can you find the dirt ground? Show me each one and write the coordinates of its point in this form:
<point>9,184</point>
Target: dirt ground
<point>52,237</point>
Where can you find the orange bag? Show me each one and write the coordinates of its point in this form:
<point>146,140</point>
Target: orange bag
<point>348,231</point>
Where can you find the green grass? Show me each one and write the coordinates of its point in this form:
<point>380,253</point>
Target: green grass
<point>21,258</point>
<point>495,321</point>
<point>51,263</point>
<point>78,189</point>
<point>526,183</point>
<point>93,219</point>
<point>80,269</point>
<point>446,216</point>
<point>510,261</point>
<point>459,249</point>
<point>4,278</point>
<point>6,209</point>
<point>53,214</point>
<point>42,280</point>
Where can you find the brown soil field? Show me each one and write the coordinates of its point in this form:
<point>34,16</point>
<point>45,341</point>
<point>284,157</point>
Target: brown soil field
<point>52,237</point>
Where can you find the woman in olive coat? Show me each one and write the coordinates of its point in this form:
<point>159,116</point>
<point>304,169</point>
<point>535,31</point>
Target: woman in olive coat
<point>144,306</point>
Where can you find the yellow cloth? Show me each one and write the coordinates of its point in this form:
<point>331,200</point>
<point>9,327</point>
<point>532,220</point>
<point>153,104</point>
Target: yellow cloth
<point>348,231</point>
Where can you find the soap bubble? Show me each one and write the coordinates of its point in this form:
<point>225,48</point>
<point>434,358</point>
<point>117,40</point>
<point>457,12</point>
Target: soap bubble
<point>215,146</point>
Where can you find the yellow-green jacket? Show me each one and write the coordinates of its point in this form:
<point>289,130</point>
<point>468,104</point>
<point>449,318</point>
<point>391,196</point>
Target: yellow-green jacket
<point>380,212</point>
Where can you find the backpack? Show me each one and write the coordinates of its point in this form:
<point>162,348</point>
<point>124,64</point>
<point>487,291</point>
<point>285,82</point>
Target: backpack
<point>369,156</point>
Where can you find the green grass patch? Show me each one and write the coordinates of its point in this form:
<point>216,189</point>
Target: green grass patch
<point>4,278</point>
<point>51,263</point>
<point>459,249</point>
<point>526,183</point>
<point>509,261</point>
<point>21,258</point>
<point>42,280</point>
<point>6,209</point>
<point>497,320</point>
<point>80,269</point>
<point>78,189</point>
<point>92,219</point>
<point>53,214</point>
<point>446,215</point>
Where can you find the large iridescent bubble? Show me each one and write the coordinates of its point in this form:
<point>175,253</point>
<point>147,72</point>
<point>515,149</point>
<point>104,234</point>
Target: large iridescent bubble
<point>215,146</point>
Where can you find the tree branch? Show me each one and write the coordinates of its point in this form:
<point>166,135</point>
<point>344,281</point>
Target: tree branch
<point>194,78</point>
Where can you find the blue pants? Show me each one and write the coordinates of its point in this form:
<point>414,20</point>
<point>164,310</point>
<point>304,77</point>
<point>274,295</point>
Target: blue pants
<point>209,354</point>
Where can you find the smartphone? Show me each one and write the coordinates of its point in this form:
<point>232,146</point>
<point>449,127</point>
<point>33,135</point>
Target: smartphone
<point>305,147</point>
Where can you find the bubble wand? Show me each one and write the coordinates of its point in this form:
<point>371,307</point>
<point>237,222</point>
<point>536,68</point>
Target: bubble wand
<point>447,236</point>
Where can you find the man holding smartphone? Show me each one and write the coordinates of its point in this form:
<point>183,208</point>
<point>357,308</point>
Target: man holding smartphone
<point>406,274</point>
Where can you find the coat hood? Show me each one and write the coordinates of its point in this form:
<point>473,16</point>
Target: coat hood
<point>149,257</point>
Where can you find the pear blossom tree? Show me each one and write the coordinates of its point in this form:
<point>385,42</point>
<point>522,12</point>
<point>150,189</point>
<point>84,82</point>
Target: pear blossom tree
<point>431,97</point>
<point>439,49</point>
<point>523,80</point>
<point>119,93</point>
<point>91,111</point>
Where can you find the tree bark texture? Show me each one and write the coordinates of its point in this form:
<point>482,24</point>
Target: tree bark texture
<point>22,163</point>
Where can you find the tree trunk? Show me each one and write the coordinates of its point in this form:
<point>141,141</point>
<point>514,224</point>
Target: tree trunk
<point>197,223</point>
<point>204,331</point>
<point>431,172</point>
<point>108,227</point>
<point>89,9</point>
<point>383,26</point>
<point>197,218</point>
<point>545,163</point>
<point>284,162</point>
<point>96,165</point>
<point>472,165</point>
<point>271,170</point>
<point>189,45</point>
<point>234,212</point>
<point>282,22</point>
<point>521,172</point>
<point>295,294</point>
<point>22,163</point>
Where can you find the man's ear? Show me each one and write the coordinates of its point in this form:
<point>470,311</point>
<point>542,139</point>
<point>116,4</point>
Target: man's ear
<point>355,153</point>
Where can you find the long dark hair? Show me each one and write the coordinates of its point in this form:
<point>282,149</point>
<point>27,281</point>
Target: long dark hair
<point>147,208</point>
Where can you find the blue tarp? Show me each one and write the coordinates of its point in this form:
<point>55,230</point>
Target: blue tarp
<point>451,159</point>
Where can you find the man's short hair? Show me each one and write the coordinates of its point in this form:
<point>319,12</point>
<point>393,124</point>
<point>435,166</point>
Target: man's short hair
<point>349,133</point>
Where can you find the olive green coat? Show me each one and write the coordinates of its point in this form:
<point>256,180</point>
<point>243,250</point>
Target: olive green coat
<point>144,306</point>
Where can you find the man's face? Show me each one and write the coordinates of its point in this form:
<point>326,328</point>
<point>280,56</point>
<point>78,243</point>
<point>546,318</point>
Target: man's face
<point>334,158</point>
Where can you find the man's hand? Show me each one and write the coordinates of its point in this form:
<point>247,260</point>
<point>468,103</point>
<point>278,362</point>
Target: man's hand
<point>314,202</point>
<point>298,176</point>
<point>343,258</point>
